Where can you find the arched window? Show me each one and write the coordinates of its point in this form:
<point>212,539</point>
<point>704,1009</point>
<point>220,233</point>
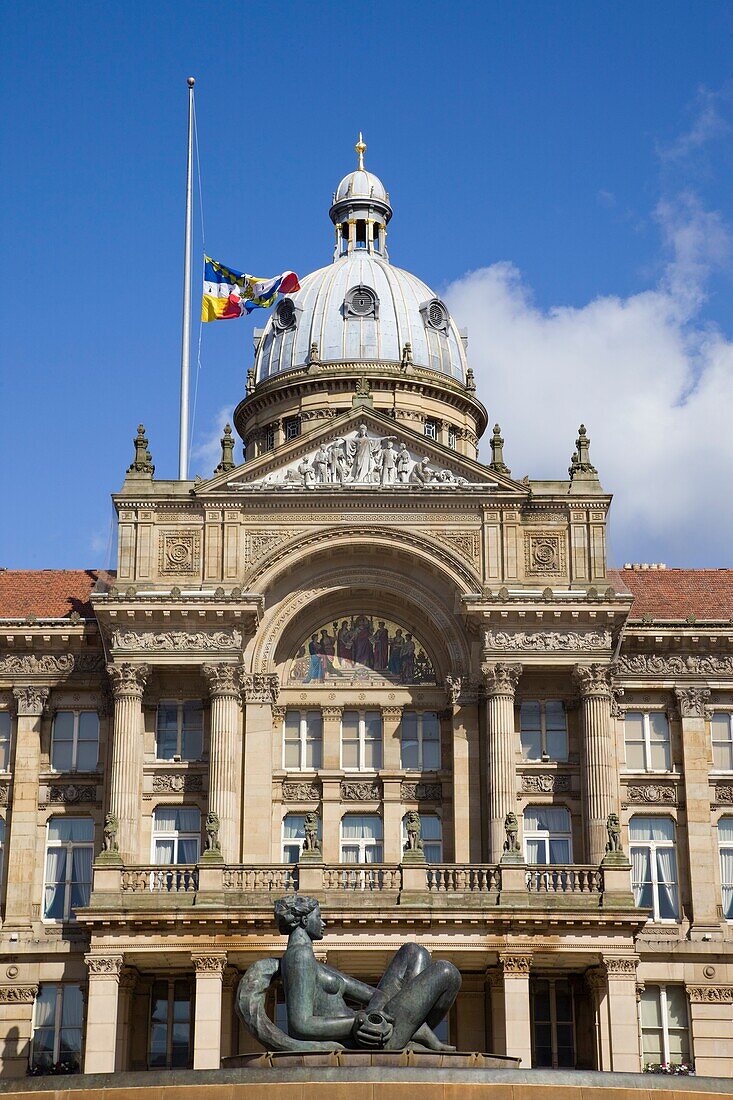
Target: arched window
<point>431,829</point>
<point>654,866</point>
<point>176,834</point>
<point>725,844</point>
<point>547,836</point>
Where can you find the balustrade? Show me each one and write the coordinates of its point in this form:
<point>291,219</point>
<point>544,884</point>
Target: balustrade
<point>159,880</point>
<point>564,880</point>
<point>361,876</point>
<point>277,878</point>
<point>453,878</point>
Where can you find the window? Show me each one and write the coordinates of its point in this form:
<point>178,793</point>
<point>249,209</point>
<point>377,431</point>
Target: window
<point>268,439</point>
<point>361,234</point>
<point>375,236</point>
<point>665,1034</point>
<point>722,729</point>
<point>547,836</point>
<point>420,741</point>
<point>361,740</point>
<point>361,838</point>
<point>69,854</point>
<point>543,730</point>
<point>647,741</point>
<point>553,1023</point>
<point>292,427</point>
<point>5,721</point>
<point>452,438</point>
<point>180,730</point>
<point>654,866</point>
<point>431,830</point>
<point>431,429</point>
<point>2,848</point>
<point>75,741</point>
<point>170,1025</point>
<point>302,739</point>
<point>725,845</point>
<point>293,836</point>
<point>57,1027</point>
<point>176,834</point>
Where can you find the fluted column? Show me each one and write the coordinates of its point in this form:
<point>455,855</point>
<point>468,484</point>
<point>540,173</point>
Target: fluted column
<point>125,796</point>
<point>500,682</point>
<point>225,687</point>
<point>29,701</point>
<point>692,701</point>
<point>599,768</point>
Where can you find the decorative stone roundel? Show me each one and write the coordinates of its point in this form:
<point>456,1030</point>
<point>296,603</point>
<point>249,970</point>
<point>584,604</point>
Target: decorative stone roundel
<point>436,315</point>
<point>360,301</point>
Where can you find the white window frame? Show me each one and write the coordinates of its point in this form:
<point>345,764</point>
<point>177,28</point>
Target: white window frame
<point>69,846</point>
<point>544,755</point>
<point>6,741</point>
<point>362,712</point>
<point>77,712</point>
<point>545,836</point>
<point>716,741</point>
<point>430,429</point>
<point>427,842</point>
<point>303,730</point>
<point>724,846</point>
<point>180,705</point>
<point>363,843</point>
<point>420,766</point>
<point>452,438</point>
<point>175,835</point>
<point>647,769</point>
<point>57,1023</point>
<point>652,846</point>
<point>664,1013</point>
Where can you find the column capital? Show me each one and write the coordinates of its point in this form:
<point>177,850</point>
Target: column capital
<point>595,679</point>
<point>392,714</point>
<point>331,713</point>
<point>260,687</point>
<point>209,963</point>
<point>224,680</point>
<point>231,977</point>
<point>128,978</point>
<point>595,978</point>
<point>109,966</point>
<point>501,678</point>
<point>494,977</point>
<point>692,701</point>
<point>620,967</point>
<point>515,964</point>
<point>18,994</point>
<point>30,699</point>
<point>128,679</point>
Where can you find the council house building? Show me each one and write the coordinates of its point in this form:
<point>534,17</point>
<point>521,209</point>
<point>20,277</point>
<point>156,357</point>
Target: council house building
<point>363,665</point>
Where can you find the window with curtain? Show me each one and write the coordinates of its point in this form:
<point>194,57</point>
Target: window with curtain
<point>69,856</point>
<point>543,730</point>
<point>432,836</point>
<point>176,834</point>
<point>293,836</point>
<point>547,835</point>
<point>361,740</point>
<point>169,1044</point>
<point>665,1028</point>
<point>646,734</point>
<point>725,845</point>
<point>361,838</point>
<point>5,724</point>
<point>420,740</point>
<point>57,1027</point>
<point>654,866</point>
<point>722,733</point>
<point>2,848</point>
<point>179,730</point>
<point>553,1023</point>
<point>75,741</point>
<point>302,740</point>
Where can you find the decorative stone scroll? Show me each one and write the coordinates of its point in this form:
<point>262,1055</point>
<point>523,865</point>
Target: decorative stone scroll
<point>153,641</point>
<point>29,664</point>
<point>710,994</point>
<point>71,793</point>
<point>104,964</point>
<point>301,792</point>
<point>177,783</point>
<point>642,664</point>
<point>260,687</point>
<point>547,641</point>
<point>355,790</point>
<point>18,994</point>
<point>4,793</point>
<point>724,793</point>
<point>545,783</point>
<point>692,701</point>
<point>652,793</point>
<point>420,792</point>
<point>30,699</point>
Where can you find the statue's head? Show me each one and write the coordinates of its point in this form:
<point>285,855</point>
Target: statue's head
<point>296,911</point>
<point>613,821</point>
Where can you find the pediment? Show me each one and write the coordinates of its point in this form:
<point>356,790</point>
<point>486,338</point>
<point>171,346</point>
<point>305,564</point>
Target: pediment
<point>361,450</point>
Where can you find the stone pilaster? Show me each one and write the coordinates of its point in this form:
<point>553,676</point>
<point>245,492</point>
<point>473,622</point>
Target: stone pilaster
<point>30,701</point>
<point>518,1029</point>
<point>598,760</point>
<point>595,978</point>
<point>128,982</point>
<point>125,792</point>
<point>500,681</point>
<point>259,692</point>
<point>331,755</point>
<point>100,1046</point>
<point>711,1029</point>
<point>16,1022</point>
<point>209,970</point>
<point>620,1017</point>
<point>230,985</point>
<point>224,681</point>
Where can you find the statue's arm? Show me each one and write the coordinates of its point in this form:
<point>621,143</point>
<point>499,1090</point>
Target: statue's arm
<point>356,990</point>
<point>299,980</point>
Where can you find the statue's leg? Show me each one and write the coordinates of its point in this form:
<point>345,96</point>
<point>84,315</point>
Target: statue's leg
<point>425,999</point>
<point>405,964</point>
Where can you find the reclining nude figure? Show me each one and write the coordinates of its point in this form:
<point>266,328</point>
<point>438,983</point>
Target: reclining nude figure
<point>411,999</point>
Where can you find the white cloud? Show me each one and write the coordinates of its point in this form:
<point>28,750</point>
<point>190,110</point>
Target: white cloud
<point>707,124</point>
<point>207,451</point>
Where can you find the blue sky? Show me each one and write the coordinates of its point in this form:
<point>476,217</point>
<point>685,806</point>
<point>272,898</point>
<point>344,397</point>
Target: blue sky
<point>560,171</point>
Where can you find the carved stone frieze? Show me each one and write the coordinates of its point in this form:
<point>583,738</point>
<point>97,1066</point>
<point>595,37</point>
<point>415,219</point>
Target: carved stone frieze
<point>88,662</point>
<point>259,543</point>
<point>466,543</point>
<point>128,679</point>
<point>545,783</point>
<point>724,793</point>
<point>621,967</point>
<point>260,687</point>
<point>209,964</point>
<point>180,553</point>
<point>692,701</point>
<point>652,793</point>
<point>29,664</point>
<point>411,791</point>
<point>104,964</point>
<point>642,664</point>
<point>4,793</point>
<point>224,681</point>
<point>30,699</point>
<point>710,994</point>
<point>301,791</point>
<point>18,994</point>
<point>547,641</point>
<point>358,790</point>
<point>170,641</point>
<point>71,793</point>
<point>515,964</point>
<point>544,553</point>
<point>177,782</point>
<point>501,679</point>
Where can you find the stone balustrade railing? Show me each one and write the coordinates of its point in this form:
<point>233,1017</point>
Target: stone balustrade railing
<point>371,877</point>
<point>273,879</point>
<point>564,880</point>
<point>454,878</point>
<point>156,879</point>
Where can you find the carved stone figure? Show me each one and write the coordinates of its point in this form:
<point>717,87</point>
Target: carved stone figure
<point>320,465</point>
<point>388,465</point>
<point>306,474</point>
<point>413,996</point>
<point>310,825</point>
<point>613,828</point>
<point>338,462</point>
<point>111,828</point>
<point>511,828</point>
<point>421,473</point>
<point>212,832</point>
<point>404,464</point>
<point>414,829</point>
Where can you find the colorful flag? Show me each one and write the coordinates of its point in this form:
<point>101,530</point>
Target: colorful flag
<point>229,293</point>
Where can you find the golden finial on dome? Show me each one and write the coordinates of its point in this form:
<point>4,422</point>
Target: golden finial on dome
<point>361,150</point>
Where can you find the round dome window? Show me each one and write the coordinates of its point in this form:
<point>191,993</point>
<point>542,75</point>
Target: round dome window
<point>284,315</point>
<point>436,315</point>
<point>361,301</point>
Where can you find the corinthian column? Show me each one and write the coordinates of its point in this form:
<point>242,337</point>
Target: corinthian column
<point>128,685</point>
<point>225,686</point>
<point>599,771</point>
<point>259,691</point>
<point>500,681</point>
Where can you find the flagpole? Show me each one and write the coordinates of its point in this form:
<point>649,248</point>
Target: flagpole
<point>186,334</point>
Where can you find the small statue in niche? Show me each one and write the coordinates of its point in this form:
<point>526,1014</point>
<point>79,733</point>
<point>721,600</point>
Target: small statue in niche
<point>511,828</point>
<point>111,828</point>
<point>311,842</point>
<point>413,826</point>
<point>212,832</point>
<point>613,828</point>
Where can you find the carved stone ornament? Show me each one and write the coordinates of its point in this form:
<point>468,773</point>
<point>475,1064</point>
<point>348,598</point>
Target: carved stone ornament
<point>104,964</point>
<point>593,679</point>
<point>180,553</point>
<point>170,641</point>
<point>29,664</point>
<point>621,967</point>
<point>516,964</point>
<point>128,679</point>
<point>453,689</point>
<point>111,829</point>
<point>311,824</point>
<point>89,662</point>
<point>355,790</point>
<point>18,994</point>
<point>211,828</point>
<point>711,994</point>
<point>30,699</point>
<point>301,792</point>
<point>595,977</point>
<point>224,681</point>
<point>544,553</point>
<point>465,543</point>
<point>71,793</point>
<point>177,782</point>
<point>259,543</point>
<point>724,793</point>
<point>545,783</point>
<point>692,701</point>
<point>652,793</point>
<point>209,964</point>
<point>501,679</point>
<point>4,793</point>
<point>260,687</point>
<point>547,641</point>
<point>642,664</point>
<point>420,792</point>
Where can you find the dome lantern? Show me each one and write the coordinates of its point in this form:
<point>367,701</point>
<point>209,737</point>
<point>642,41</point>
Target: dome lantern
<point>360,211</point>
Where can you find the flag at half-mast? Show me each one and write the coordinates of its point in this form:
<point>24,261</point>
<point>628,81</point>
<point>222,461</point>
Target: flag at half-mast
<point>229,293</point>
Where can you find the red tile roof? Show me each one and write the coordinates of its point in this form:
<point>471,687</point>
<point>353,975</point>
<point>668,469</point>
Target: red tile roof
<point>677,594</point>
<point>49,593</point>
